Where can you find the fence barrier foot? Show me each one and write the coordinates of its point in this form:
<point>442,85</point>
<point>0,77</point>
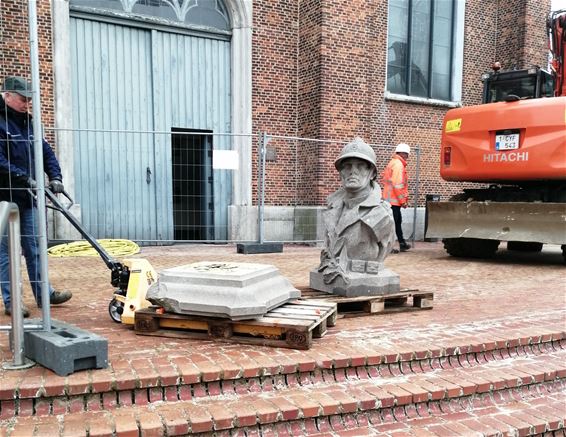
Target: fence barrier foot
<point>24,365</point>
<point>248,248</point>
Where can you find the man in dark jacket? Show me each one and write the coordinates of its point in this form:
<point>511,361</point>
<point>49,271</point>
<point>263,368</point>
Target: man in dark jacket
<point>17,180</point>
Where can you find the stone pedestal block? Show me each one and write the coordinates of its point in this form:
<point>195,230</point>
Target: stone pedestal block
<point>237,291</point>
<point>361,284</point>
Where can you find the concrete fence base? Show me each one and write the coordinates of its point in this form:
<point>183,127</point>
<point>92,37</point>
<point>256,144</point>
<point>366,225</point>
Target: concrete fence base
<point>298,223</point>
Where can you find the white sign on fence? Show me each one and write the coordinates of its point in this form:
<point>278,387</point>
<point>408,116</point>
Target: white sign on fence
<point>225,160</point>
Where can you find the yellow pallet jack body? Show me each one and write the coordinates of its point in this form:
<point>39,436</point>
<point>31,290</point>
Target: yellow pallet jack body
<point>131,277</point>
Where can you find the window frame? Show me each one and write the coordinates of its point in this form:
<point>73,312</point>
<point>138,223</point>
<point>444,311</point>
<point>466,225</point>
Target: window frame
<point>456,59</point>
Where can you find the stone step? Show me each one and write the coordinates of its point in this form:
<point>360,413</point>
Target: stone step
<point>137,383</point>
<point>443,395</point>
<point>537,415</point>
<point>542,415</point>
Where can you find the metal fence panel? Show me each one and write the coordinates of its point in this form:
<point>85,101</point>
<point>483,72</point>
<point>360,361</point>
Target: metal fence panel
<point>292,179</point>
<point>300,174</point>
<point>198,165</point>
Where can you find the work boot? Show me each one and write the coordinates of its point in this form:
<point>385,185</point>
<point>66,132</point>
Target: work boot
<point>59,297</point>
<point>403,247</point>
<point>25,312</point>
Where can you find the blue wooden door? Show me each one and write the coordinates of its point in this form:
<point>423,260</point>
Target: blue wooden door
<point>144,83</point>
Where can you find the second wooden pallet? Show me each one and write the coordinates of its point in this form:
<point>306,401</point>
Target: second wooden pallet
<point>404,300</point>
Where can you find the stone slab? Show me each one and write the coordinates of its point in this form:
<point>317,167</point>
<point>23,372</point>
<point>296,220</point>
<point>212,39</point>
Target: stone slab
<point>237,291</point>
<point>247,248</point>
<point>361,284</point>
<point>66,349</point>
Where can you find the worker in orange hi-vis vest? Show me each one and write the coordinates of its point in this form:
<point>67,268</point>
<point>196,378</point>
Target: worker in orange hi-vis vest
<point>396,190</point>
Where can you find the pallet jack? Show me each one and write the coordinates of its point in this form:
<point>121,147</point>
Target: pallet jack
<point>130,277</point>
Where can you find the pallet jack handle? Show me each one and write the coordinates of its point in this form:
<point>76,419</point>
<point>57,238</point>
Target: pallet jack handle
<point>120,273</point>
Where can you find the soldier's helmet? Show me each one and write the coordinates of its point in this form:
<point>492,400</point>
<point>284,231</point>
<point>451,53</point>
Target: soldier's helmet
<point>358,148</point>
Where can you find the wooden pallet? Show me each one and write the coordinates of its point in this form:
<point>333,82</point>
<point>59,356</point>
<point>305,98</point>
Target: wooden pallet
<point>292,325</point>
<point>405,300</point>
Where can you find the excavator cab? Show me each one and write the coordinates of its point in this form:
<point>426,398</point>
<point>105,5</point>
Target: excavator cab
<point>532,83</point>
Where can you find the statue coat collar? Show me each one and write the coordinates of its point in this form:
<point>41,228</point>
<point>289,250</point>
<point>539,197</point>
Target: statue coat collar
<point>340,217</point>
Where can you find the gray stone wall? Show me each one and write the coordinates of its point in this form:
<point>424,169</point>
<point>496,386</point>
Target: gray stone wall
<point>297,224</point>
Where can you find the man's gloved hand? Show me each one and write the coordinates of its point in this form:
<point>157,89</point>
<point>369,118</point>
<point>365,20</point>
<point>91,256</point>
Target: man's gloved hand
<point>31,183</point>
<point>56,186</point>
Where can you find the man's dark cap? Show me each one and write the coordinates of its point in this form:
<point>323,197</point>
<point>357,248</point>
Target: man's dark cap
<point>16,84</point>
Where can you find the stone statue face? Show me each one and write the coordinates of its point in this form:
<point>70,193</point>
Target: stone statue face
<point>356,174</point>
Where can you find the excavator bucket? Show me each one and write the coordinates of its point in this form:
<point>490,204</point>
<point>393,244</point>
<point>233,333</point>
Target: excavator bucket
<point>504,221</point>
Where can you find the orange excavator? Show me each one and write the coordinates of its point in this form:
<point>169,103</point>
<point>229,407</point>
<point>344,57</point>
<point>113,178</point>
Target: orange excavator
<point>516,143</point>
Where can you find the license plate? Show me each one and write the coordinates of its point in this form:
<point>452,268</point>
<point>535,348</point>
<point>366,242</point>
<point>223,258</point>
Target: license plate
<point>507,142</point>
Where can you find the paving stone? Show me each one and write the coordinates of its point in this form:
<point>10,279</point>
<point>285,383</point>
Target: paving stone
<point>487,315</point>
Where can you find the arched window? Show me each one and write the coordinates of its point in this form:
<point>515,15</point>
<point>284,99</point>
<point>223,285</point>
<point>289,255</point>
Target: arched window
<point>205,14</point>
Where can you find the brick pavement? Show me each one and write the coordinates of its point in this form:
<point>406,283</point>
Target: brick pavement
<point>505,317</point>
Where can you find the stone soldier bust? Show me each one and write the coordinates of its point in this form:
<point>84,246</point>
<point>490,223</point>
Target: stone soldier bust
<point>359,230</point>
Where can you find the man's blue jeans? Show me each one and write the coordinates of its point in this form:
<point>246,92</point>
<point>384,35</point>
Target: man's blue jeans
<point>30,249</point>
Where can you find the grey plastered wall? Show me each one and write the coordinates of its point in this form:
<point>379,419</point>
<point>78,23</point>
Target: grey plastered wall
<point>300,223</point>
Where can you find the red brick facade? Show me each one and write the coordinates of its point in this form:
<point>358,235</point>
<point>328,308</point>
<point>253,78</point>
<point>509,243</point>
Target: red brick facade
<point>15,52</point>
<point>318,71</point>
<point>341,54</point>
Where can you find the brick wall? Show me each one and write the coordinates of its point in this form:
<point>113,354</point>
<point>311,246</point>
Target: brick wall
<point>15,52</point>
<point>518,25</point>
<point>510,26</point>
<point>309,68</point>
<point>535,49</point>
<point>274,87</point>
<point>341,52</point>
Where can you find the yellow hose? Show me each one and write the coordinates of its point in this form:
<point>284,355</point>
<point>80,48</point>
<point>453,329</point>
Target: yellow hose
<point>116,248</point>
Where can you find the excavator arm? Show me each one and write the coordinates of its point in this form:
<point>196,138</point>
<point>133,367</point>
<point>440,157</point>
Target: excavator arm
<point>556,30</point>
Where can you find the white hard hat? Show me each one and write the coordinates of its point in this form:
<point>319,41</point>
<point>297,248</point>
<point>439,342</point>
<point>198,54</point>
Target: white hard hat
<point>403,148</point>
